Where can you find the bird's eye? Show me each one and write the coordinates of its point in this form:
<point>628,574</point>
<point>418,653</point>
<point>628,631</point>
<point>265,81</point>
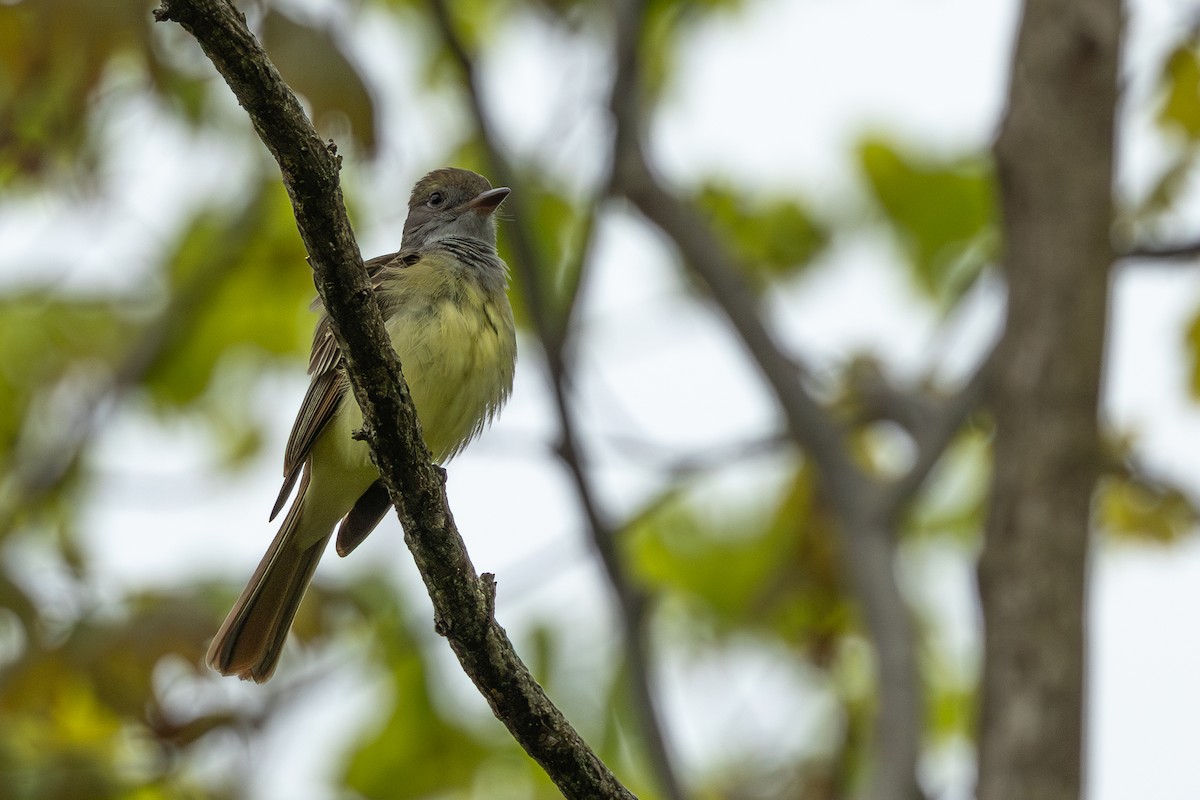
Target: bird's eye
<point>436,199</point>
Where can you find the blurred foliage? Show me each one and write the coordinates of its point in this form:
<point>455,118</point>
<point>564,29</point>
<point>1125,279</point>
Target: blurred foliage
<point>1192,345</point>
<point>772,238</point>
<point>1180,106</point>
<point>556,240</point>
<point>80,707</point>
<point>104,697</point>
<point>59,60</point>
<point>771,571</point>
<point>950,700</point>
<point>1134,505</point>
<point>43,337</point>
<point>55,56</point>
<point>1178,119</point>
<point>667,24</point>
<point>942,211</point>
<point>1140,511</point>
<point>415,752</point>
<point>310,59</point>
<point>227,262</point>
<point>955,499</point>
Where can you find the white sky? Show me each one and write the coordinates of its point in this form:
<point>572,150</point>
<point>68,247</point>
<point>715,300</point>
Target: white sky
<point>775,96</point>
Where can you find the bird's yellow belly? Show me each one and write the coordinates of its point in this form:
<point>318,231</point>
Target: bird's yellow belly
<point>459,368</point>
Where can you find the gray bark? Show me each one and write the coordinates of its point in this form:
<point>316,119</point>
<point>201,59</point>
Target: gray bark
<point>1055,161</point>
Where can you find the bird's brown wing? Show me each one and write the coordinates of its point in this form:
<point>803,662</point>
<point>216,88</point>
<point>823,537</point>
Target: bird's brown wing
<point>327,388</point>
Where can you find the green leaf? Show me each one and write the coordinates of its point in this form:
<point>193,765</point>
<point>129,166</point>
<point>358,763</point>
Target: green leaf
<point>771,237</point>
<point>951,700</point>
<point>1130,508</point>
<point>942,211</point>
<point>1192,345</point>
<point>1180,108</point>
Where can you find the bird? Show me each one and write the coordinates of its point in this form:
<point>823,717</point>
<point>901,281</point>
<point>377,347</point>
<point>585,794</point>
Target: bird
<point>445,306</point>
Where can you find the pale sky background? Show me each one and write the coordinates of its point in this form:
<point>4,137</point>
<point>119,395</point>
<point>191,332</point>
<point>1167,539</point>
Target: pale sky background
<point>777,96</point>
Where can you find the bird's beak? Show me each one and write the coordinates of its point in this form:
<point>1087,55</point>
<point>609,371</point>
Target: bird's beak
<point>489,201</point>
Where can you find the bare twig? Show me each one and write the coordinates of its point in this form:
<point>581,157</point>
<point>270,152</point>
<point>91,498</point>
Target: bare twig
<point>1181,251</point>
<point>462,599</point>
<point>682,466</point>
<point>553,328</point>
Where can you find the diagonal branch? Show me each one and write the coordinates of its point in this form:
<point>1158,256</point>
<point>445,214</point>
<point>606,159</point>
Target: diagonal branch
<point>463,601</point>
<point>866,537</point>
<point>821,435</point>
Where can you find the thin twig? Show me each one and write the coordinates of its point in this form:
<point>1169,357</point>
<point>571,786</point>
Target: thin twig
<point>461,598</point>
<point>1182,251</point>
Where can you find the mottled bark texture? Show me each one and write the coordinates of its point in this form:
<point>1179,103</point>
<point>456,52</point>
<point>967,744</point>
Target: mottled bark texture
<point>1055,162</point>
<point>462,600</point>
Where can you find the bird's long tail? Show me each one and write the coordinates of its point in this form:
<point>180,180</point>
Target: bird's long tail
<point>249,642</point>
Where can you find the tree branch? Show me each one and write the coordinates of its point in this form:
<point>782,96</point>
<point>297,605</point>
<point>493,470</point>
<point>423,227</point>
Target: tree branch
<point>462,599</point>
<point>934,436</point>
<point>866,539</point>
<point>1181,251</point>
<point>1055,164</point>
<point>820,434</point>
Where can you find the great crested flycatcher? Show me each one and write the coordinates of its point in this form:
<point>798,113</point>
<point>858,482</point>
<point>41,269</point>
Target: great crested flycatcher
<point>446,310</point>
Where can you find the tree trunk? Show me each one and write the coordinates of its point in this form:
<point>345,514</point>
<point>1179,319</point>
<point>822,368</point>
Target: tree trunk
<point>1055,162</point>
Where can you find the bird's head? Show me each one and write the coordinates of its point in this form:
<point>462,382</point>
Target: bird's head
<point>452,202</point>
